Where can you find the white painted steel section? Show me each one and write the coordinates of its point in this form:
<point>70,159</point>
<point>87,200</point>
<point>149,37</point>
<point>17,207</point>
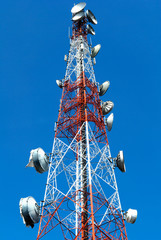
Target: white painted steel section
<point>99,175</point>
<point>72,66</point>
<point>88,155</point>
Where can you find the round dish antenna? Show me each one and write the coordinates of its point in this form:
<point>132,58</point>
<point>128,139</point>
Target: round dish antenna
<point>120,161</point>
<point>107,107</point>
<point>95,50</point>
<point>59,83</point>
<point>78,16</point>
<point>30,211</point>
<point>39,160</point>
<point>91,17</point>
<point>90,30</point>
<point>109,122</point>
<point>103,88</point>
<point>131,215</point>
<point>79,7</point>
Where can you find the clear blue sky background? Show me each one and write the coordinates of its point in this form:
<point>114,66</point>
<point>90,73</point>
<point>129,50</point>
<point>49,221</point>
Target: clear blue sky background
<point>33,41</point>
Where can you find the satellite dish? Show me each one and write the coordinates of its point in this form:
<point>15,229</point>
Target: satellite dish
<point>79,7</point>
<point>30,211</point>
<point>59,83</point>
<point>90,30</point>
<point>109,122</point>
<point>120,161</point>
<point>95,50</point>
<point>91,17</point>
<point>103,88</point>
<point>107,107</point>
<point>39,160</point>
<point>78,16</point>
<point>131,215</point>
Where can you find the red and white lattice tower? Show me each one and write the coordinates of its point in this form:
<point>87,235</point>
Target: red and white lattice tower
<point>81,193</point>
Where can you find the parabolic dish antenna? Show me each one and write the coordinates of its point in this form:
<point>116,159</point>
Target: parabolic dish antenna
<point>104,87</point>
<point>90,30</point>
<point>78,16</point>
<point>107,107</point>
<point>39,160</point>
<point>120,161</point>
<point>131,215</point>
<point>59,83</point>
<point>109,122</point>
<point>79,7</point>
<point>91,17</point>
<point>30,211</point>
<point>95,50</point>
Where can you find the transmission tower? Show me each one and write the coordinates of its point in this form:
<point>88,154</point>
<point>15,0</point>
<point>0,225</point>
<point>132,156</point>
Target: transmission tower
<point>81,193</point>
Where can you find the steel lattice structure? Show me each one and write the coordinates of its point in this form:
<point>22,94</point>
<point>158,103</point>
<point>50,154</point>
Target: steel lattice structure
<point>81,193</point>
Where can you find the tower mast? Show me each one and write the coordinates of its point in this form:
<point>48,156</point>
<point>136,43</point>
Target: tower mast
<point>81,193</point>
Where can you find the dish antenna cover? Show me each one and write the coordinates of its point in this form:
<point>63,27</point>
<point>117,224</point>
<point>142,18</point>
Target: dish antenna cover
<point>59,83</point>
<point>131,215</point>
<point>30,211</point>
<point>91,17</point>
<point>90,30</point>
<point>103,88</point>
<point>109,122</point>
<point>95,50</point>
<point>120,161</point>
<point>78,16</point>
<point>39,160</point>
<point>107,107</point>
<point>79,7</point>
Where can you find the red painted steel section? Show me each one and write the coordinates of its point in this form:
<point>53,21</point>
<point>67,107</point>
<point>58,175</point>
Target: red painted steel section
<point>113,229</point>
<point>70,109</point>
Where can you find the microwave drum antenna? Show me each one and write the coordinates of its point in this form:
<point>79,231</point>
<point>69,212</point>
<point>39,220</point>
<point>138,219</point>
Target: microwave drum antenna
<point>39,160</point>
<point>30,211</point>
<point>131,215</point>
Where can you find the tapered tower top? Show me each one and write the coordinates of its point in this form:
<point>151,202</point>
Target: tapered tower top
<point>81,19</point>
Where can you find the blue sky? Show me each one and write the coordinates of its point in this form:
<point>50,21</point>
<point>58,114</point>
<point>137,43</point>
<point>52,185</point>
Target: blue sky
<point>33,41</point>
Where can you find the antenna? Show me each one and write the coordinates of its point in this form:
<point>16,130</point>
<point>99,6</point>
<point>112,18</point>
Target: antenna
<point>90,39</point>
<point>69,32</point>
<point>39,160</point>
<point>91,17</point>
<point>131,215</point>
<point>77,8</point>
<point>103,88</point>
<point>90,30</point>
<point>109,122</point>
<point>95,50</point>
<point>78,16</point>
<point>107,107</point>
